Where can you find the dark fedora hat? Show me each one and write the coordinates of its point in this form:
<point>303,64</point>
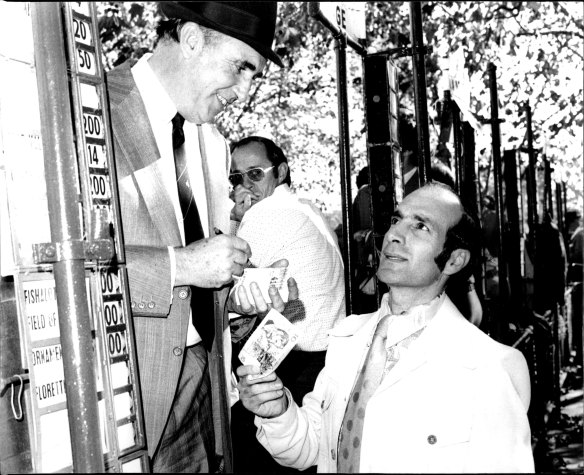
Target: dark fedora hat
<point>254,23</point>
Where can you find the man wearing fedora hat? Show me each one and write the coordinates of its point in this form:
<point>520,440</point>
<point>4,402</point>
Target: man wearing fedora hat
<point>172,167</point>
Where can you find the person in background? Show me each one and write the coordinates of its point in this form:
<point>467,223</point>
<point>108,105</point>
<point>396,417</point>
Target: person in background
<point>171,167</point>
<point>413,387</point>
<point>279,225</point>
<point>365,295</point>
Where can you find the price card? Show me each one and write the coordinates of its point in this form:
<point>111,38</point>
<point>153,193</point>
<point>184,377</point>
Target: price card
<point>116,344</point>
<point>100,186</point>
<point>82,31</point>
<point>110,282</point>
<point>112,313</point>
<point>85,59</point>
<point>96,156</point>
<point>93,125</point>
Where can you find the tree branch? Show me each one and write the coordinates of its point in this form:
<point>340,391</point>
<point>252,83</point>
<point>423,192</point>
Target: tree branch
<point>551,32</point>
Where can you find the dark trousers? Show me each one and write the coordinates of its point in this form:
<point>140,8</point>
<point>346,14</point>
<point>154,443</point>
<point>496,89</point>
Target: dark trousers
<point>187,444</point>
<point>298,372</point>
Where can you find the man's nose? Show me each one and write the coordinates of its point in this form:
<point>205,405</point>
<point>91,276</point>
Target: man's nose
<point>394,234</point>
<point>242,89</point>
<point>247,183</point>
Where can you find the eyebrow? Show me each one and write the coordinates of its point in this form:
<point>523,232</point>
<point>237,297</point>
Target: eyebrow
<point>418,217</point>
<point>251,67</point>
<point>248,169</point>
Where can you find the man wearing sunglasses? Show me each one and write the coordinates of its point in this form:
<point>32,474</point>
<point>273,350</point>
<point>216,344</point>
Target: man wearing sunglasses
<point>279,225</point>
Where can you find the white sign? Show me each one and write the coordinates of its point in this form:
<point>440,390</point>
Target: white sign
<point>346,16</point>
<point>41,309</point>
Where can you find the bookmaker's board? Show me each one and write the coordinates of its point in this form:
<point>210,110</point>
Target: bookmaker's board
<point>33,382</point>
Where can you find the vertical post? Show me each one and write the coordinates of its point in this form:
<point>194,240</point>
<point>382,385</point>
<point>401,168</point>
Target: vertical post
<point>457,147</point>
<point>547,193</point>
<point>345,165</point>
<point>532,218</point>
<point>497,169</point>
<point>67,233</point>
<point>421,100</point>
<point>513,237</point>
<point>469,185</point>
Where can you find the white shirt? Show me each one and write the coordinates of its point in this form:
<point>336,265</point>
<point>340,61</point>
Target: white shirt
<point>161,110</point>
<point>283,226</point>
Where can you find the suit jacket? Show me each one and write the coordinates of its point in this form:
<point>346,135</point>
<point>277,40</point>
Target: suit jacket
<point>149,225</point>
<point>456,402</point>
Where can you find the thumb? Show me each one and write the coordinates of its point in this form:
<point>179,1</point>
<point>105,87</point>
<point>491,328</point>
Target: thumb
<point>280,263</point>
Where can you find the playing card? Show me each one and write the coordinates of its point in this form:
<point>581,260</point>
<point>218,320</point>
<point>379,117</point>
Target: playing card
<point>264,277</point>
<point>269,344</point>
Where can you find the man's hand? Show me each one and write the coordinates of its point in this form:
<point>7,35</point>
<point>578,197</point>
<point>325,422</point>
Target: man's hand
<point>259,305</point>
<point>242,198</point>
<point>211,263</point>
<point>265,396</point>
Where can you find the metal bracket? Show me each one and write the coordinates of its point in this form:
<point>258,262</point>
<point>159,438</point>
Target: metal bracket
<point>51,252</point>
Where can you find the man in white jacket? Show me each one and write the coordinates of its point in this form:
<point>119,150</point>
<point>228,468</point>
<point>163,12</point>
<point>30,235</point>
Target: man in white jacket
<point>450,398</point>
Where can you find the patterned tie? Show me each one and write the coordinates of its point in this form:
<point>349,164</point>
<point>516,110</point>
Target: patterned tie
<point>201,299</point>
<point>367,382</point>
<point>378,363</point>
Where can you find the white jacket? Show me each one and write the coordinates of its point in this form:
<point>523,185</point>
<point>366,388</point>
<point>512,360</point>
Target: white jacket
<point>457,402</point>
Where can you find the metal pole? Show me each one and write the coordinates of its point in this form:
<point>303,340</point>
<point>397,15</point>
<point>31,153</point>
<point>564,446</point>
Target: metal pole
<point>513,237</point>
<point>67,234</point>
<point>532,217</point>
<point>497,169</point>
<point>457,146</point>
<point>548,200</point>
<point>469,184</point>
<point>345,165</point>
<point>419,70</point>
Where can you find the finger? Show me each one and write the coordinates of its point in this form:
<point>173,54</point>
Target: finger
<point>280,263</point>
<point>237,269</point>
<point>267,396</point>
<point>260,303</point>
<point>244,303</point>
<point>240,257</point>
<point>292,289</point>
<point>244,370</point>
<point>276,298</point>
<point>262,382</point>
<point>241,245</point>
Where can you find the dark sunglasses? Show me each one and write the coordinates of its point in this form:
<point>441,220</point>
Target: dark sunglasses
<point>254,174</point>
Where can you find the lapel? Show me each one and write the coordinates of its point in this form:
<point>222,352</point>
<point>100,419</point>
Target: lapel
<point>348,346</point>
<point>443,339</point>
<point>138,149</point>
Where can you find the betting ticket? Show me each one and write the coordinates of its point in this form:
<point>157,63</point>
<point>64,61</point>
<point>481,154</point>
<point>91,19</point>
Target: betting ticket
<point>269,344</point>
<point>264,277</point>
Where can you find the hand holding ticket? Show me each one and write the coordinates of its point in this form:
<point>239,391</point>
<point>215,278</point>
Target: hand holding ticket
<point>264,277</point>
<point>269,344</point>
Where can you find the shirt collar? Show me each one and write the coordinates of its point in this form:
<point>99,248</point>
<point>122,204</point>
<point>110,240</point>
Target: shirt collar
<point>281,190</point>
<point>404,324</point>
<point>155,97</point>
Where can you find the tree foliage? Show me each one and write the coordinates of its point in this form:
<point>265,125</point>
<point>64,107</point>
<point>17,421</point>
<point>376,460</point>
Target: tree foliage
<point>537,48</point>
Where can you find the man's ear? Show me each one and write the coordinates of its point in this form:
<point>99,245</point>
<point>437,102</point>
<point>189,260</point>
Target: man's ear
<point>458,259</point>
<point>282,172</point>
<point>191,39</point>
